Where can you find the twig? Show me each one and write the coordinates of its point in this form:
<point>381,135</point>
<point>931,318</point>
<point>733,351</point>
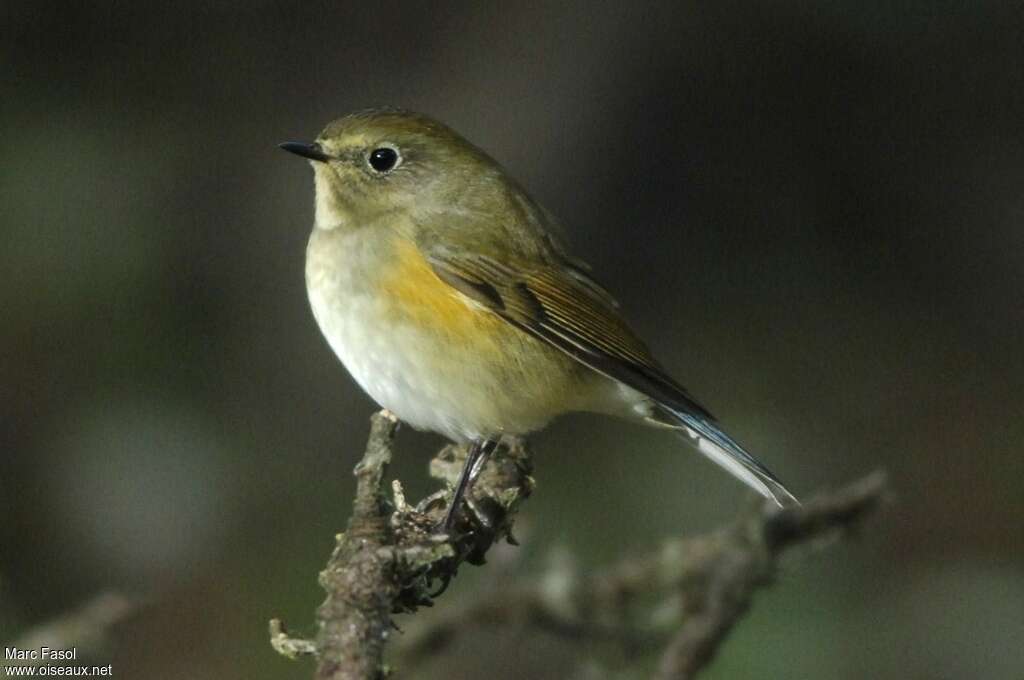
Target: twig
<point>743,558</point>
<point>391,558</point>
<point>286,645</point>
<point>710,579</point>
<point>355,618</point>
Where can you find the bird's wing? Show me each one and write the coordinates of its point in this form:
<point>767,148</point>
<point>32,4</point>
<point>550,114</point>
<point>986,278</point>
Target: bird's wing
<point>566,309</point>
<point>563,307</point>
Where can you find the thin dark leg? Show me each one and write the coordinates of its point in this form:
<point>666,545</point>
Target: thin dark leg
<point>475,459</point>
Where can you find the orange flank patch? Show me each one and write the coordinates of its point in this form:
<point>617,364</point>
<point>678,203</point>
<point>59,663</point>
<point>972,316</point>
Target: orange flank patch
<point>419,296</point>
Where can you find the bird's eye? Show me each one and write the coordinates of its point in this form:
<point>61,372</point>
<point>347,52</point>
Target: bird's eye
<point>383,159</point>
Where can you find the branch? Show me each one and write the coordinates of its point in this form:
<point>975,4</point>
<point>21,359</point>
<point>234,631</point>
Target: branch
<point>708,581</point>
<point>391,558</point>
<point>732,564</point>
<point>355,619</point>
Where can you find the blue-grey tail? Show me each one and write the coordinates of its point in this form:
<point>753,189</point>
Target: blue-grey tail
<point>723,450</point>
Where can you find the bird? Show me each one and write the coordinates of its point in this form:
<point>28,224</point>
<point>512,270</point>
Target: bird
<point>449,295</point>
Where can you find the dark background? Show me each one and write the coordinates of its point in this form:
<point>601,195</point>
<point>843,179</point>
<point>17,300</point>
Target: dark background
<point>812,210</point>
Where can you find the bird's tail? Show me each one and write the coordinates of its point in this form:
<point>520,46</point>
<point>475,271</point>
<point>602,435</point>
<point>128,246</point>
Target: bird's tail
<point>711,441</point>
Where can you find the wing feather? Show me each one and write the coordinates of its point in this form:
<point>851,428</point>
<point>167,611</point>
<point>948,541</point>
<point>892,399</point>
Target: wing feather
<point>555,306</point>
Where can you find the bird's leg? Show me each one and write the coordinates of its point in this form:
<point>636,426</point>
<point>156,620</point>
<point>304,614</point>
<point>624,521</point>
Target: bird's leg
<point>475,459</point>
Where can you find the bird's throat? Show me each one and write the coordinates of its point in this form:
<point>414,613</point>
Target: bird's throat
<point>332,211</point>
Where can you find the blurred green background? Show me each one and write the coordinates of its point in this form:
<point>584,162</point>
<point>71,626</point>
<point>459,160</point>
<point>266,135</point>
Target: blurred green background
<point>812,210</point>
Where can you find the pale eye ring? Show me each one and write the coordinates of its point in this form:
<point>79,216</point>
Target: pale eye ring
<point>383,159</point>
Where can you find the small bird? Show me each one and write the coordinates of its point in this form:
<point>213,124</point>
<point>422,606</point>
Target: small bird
<point>444,290</point>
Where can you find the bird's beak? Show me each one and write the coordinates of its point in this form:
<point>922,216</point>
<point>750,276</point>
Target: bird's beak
<point>310,150</point>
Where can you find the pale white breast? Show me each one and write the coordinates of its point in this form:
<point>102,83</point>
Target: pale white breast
<point>339,272</point>
<point>400,366</point>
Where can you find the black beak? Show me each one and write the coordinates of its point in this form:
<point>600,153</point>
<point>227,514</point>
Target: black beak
<point>310,150</point>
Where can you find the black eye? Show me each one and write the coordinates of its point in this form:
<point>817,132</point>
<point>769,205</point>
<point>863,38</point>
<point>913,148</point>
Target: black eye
<point>383,159</point>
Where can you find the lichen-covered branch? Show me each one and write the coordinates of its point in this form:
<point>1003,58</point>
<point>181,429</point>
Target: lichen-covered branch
<point>704,585</point>
<point>391,559</point>
<point>355,619</point>
<point>731,565</point>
